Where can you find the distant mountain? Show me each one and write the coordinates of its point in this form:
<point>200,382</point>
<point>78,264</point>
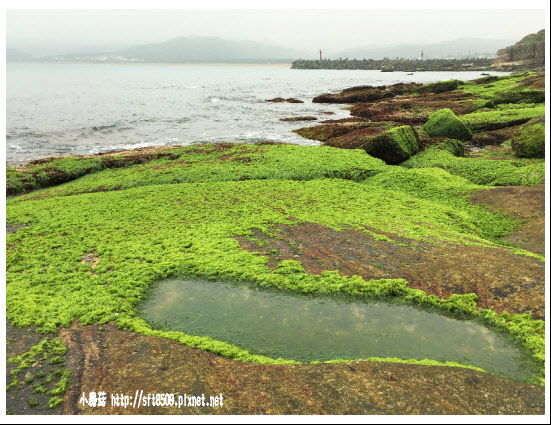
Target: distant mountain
<point>460,48</point>
<point>207,49</point>
<point>15,55</point>
<point>193,50</point>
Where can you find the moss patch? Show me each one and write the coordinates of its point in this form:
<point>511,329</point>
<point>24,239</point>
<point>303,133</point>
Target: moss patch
<point>529,140</point>
<point>444,123</point>
<point>233,162</point>
<point>506,116</point>
<point>480,170</point>
<point>40,375</point>
<point>393,146</point>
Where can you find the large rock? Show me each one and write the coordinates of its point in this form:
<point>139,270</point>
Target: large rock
<point>529,139</point>
<point>440,87</point>
<point>393,146</point>
<point>366,93</point>
<point>444,123</point>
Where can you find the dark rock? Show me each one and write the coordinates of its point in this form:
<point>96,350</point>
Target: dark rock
<point>440,87</point>
<point>281,100</point>
<point>308,118</point>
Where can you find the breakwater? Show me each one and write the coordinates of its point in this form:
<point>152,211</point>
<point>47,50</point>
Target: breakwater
<point>409,65</point>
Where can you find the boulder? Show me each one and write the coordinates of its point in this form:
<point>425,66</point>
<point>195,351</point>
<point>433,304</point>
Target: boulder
<point>444,123</point>
<point>440,87</point>
<point>453,146</point>
<point>529,140</point>
<point>393,146</point>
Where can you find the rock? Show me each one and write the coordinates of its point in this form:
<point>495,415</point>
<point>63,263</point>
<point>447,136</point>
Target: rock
<point>440,87</point>
<point>453,146</point>
<point>393,146</point>
<point>281,100</point>
<point>293,100</point>
<point>444,123</point>
<point>308,118</point>
<point>367,94</point>
<point>529,139</point>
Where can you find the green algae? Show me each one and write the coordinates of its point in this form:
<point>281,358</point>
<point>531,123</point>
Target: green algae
<point>233,163</point>
<point>444,123</point>
<point>484,120</point>
<point>529,140</point>
<point>144,234</point>
<point>306,328</point>
<point>48,348</point>
<point>480,170</point>
<point>394,145</point>
<point>440,87</point>
<point>504,89</point>
<point>186,223</point>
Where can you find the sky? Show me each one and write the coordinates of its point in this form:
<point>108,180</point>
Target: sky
<point>54,31</point>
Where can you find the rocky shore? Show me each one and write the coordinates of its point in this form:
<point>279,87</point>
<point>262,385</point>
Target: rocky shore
<point>431,195</point>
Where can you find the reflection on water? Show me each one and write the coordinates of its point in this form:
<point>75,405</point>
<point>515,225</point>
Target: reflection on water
<point>307,328</point>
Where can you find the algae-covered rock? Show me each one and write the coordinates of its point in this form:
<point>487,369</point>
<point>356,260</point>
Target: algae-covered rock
<point>393,146</point>
<point>440,87</point>
<point>444,123</point>
<point>453,146</point>
<point>529,139</point>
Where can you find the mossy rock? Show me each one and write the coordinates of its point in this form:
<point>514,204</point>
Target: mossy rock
<point>453,146</point>
<point>444,123</point>
<point>393,146</point>
<point>529,139</point>
<point>502,117</point>
<point>524,96</point>
<point>441,87</point>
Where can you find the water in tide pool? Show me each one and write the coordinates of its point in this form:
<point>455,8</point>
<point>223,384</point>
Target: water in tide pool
<point>308,328</point>
<point>60,109</point>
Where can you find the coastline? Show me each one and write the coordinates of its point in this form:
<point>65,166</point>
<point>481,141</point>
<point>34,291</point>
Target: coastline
<point>328,218</point>
<point>162,63</point>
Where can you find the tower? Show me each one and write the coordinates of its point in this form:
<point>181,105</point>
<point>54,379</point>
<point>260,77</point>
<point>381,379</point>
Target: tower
<point>320,54</point>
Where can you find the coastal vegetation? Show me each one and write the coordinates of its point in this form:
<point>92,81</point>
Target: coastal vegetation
<point>89,235</point>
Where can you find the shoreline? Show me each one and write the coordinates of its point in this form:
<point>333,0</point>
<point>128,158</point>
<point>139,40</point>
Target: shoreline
<point>427,232</point>
<point>158,63</point>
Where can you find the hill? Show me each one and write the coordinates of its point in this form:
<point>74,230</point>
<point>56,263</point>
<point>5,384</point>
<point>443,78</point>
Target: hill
<point>192,50</point>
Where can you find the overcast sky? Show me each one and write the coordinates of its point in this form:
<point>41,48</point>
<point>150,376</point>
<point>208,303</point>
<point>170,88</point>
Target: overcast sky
<point>48,32</point>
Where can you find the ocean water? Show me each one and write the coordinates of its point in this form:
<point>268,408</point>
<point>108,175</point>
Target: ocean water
<point>60,109</point>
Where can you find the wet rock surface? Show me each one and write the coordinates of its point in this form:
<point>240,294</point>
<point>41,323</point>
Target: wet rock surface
<point>523,203</point>
<point>120,362</point>
<point>501,280</point>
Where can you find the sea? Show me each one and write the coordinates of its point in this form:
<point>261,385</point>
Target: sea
<point>60,109</point>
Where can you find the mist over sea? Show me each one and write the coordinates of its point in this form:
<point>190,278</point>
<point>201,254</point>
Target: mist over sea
<point>60,109</point>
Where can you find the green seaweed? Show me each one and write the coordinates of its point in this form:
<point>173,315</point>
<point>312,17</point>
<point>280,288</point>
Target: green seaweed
<point>479,170</point>
<point>233,163</point>
<point>440,87</point>
<point>529,140</point>
<point>444,123</point>
<point>483,120</point>
<point>51,348</point>
<point>393,146</point>
<point>178,214</point>
<point>148,233</point>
